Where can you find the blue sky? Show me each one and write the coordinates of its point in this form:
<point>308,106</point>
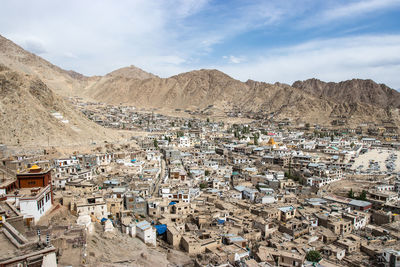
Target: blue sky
<point>271,41</point>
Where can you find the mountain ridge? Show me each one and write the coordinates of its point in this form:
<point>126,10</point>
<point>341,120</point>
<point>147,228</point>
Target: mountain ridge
<point>310,100</point>
<point>349,91</point>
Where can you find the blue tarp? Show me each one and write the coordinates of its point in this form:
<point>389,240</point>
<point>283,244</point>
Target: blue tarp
<point>133,160</point>
<point>161,228</point>
<point>103,220</point>
<point>172,203</point>
<point>221,221</point>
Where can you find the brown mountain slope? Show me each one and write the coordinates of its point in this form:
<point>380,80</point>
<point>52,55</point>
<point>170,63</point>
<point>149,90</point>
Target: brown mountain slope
<point>66,83</point>
<point>31,114</point>
<point>309,101</point>
<point>201,88</point>
<point>131,72</point>
<point>352,91</point>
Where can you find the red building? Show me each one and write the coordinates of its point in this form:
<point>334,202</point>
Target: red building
<point>34,177</point>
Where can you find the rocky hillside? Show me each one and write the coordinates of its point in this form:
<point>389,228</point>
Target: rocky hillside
<point>306,101</point>
<point>31,114</point>
<point>131,72</point>
<point>65,83</point>
<point>352,91</point>
<point>202,88</point>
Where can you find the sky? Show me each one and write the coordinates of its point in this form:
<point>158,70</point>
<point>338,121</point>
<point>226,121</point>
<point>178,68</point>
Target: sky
<point>270,40</point>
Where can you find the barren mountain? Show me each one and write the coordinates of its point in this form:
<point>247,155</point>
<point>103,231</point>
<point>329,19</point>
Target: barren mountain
<point>131,72</point>
<point>352,91</point>
<point>66,83</point>
<point>31,114</point>
<point>307,101</point>
<point>202,88</point>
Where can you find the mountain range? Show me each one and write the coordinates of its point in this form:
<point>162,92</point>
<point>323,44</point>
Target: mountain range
<point>312,100</point>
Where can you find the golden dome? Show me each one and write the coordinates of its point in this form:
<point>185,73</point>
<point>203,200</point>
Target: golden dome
<point>34,168</point>
<point>271,142</point>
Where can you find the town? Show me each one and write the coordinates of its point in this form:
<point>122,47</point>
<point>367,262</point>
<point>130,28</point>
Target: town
<point>198,190</point>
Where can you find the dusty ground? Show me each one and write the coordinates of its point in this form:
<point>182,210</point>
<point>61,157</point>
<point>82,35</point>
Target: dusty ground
<point>111,248</point>
<point>378,155</point>
<point>6,248</point>
<point>342,187</point>
<point>117,249</point>
<point>218,117</point>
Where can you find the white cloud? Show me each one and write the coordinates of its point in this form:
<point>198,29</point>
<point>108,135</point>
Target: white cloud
<point>96,37</point>
<point>175,60</point>
<point>365,57</point>
<point>186,8</point>
<point>31,43</point>
<point>234,59</point>
<point>168,37</point>
<point>359,7</point>
<point>70,55</point>
<point>350,10</point>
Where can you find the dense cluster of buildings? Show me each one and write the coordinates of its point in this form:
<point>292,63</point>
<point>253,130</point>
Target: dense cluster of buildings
<point>236,194</point>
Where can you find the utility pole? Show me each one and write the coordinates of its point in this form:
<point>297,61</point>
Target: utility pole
<point>38,233</point>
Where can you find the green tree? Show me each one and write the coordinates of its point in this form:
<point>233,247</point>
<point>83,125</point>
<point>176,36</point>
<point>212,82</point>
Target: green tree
<point>155,143</point>
<point>206,172</point>
<point>313,256</point>
<point>255,140</point>
<point>350,194</point>
<point>363,195</point>
<point>189,125</point>
<point>203,185</point>
<point>208,119</point>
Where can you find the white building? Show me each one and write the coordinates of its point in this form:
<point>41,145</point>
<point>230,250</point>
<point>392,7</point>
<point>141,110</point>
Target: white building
<point>59,182</point>
<point>369,141</point>
<point>66,162</point>
<point>95,206</point>
<point>35,202</point>
<point>391,257</point>
<point>211,164</point>
<point>104,159</point>
<point>384,187</point>
<point>83,174</point>
<point>359,220</point>
<point>146,233</point>
<point>184,141</point>
<point>320,181</point>
<point>249,193</point>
